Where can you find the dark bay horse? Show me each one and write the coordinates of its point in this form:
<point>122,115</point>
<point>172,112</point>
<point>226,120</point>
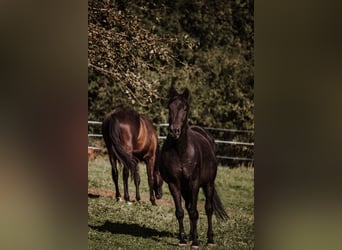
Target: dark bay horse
<point>188,163</point>
<point>130,138</point>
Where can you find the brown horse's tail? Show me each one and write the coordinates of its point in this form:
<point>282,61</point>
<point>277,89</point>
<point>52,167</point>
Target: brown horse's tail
<point>219,211</point>
<point>111,135</point>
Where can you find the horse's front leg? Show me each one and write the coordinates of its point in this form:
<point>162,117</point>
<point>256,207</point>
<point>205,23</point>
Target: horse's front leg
<point>193,215</point>
<point>176,194</point>
<point>149,169</point>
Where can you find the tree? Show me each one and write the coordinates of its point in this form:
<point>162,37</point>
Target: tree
<point>138,49</point>
<point>124,59</point>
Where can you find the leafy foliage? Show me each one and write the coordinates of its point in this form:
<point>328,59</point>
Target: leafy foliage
<point>138,49</point>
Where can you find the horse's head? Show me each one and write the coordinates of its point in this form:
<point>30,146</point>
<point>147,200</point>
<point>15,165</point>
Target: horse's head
<point>178,112</point>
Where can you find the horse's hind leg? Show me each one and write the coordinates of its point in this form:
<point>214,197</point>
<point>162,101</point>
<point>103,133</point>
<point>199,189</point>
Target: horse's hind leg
<point>209,193</point>
<point>115,175</point>
<point>137,183</point>
<point>149,169</point>
<point>125,175</point>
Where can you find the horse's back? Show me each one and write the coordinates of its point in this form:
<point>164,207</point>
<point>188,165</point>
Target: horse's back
<point>205,152</point>
<point>127,117</point>
<point>204,141</point>
<point>129,121</point>
<point>204,133</point>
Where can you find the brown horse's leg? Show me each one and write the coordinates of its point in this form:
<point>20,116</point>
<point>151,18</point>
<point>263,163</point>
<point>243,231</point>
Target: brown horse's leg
<point>125,175</point>
<point>115,175</point>
<point>175,191</point>
<point>186,196</point>
<point>137,183</point>
<point>149,167</point>
<point>209,192</point>
<point>193,215</point>
<point>128,148</point>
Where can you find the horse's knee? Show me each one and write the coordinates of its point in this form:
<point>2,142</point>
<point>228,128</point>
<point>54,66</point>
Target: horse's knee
<point>150,182</point>
<point>179,214</point>
<point>208,208</point>
<point>193,214</point>
<point>137,181</point>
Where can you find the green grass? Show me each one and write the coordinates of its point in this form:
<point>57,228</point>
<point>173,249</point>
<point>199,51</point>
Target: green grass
<point>118,225</point>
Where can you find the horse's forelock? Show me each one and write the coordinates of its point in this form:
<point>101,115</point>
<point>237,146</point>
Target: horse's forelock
<point>180,97</point>
<point>174,95</point>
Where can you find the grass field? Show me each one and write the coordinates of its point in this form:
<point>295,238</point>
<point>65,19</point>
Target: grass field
<point>118,225</point>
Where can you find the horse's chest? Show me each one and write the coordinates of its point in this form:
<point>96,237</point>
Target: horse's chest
<point>188,161</point>
<point>180,163</point>
<point>179,167</point>
<point>188,168</point>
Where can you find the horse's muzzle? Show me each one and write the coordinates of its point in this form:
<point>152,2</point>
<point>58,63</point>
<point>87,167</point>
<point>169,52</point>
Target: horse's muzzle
<point>174,132</point>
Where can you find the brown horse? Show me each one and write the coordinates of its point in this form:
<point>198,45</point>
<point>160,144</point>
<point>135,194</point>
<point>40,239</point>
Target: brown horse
<point>188,163</point>
<point>130,138</point>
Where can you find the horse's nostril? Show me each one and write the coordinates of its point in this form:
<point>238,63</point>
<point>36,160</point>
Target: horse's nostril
<point>174,131</point>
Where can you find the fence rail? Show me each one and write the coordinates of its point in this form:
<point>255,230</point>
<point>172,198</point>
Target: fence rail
<point>94,122</point>
<point>216,141</point>
<point>234,158</point>
<point>215,129</point>
<point>94,135</point>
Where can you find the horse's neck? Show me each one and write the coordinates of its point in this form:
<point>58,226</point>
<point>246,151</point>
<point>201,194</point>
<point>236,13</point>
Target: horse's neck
<point>183,139</point>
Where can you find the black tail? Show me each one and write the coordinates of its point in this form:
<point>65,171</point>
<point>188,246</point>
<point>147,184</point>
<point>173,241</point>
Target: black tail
<point>219,211</point>
<point>111,135</point>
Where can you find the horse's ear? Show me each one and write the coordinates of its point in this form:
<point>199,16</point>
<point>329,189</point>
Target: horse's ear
<point>172,92</point>
<point>186,93</point>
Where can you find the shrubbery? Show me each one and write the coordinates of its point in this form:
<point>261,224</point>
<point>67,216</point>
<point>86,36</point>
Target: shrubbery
<point>138,49</point>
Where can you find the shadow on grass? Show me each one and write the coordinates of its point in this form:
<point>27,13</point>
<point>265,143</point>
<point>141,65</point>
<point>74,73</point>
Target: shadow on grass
<point>131,229</point>
<point>135,230</point>
<point>93,196</point>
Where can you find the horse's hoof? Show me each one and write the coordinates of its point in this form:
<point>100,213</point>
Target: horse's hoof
<point>129,202</point>
<point>211,244</point>
<point>182,242</point>
<point>194,245</point>
<point>118,199</point>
